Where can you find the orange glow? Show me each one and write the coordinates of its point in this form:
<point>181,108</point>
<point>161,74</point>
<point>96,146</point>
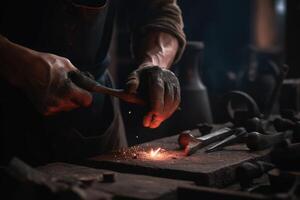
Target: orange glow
<point>148,154</point>
<point>155,153</point>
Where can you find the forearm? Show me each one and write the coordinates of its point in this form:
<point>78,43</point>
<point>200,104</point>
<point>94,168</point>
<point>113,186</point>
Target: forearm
<point>157,32</point>
<point>12,59</point>
<point>157,49</point>
<point>43,77</point>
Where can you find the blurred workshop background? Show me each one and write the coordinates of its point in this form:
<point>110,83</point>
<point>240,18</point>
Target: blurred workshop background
<point>232,45</point>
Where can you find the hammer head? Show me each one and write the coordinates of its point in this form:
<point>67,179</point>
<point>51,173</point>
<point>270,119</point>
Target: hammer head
<point>185,138</point>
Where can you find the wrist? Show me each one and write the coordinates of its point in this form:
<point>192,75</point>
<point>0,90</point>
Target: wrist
<point>152,61</point>
<point>159,49</point>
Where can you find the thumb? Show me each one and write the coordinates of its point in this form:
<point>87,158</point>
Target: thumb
<point>132,83</point>
<point>80,96</point>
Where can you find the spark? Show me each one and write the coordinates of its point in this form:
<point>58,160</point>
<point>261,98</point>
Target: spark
<point>155,153</point>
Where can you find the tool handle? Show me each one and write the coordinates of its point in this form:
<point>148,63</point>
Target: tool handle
<point>87,83</point>
<point>257,141</point>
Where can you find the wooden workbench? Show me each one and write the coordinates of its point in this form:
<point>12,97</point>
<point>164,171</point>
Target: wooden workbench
<point>215,169</point>
<point>139,187</point>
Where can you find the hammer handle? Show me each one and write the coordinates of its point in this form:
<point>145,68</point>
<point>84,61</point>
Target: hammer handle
<point>91,85</point>
<point>256,141</point>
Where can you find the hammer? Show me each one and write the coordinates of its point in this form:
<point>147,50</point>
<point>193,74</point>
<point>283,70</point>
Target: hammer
<point>191,144</point>
<point>255,141</point>
<point>87,83</point>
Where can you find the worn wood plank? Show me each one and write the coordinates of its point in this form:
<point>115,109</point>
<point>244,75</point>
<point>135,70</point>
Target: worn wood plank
<point>192,193</point>
<point>209,169</point>
<point>126,186</point>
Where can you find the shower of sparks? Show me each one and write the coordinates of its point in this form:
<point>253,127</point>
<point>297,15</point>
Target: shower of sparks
<point>148,154</point>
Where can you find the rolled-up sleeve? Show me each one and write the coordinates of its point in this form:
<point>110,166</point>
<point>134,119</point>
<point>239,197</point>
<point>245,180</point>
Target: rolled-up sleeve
<point>161,15</point>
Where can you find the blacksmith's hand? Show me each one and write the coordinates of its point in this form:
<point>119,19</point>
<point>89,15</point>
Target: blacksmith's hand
<point>161,90</point>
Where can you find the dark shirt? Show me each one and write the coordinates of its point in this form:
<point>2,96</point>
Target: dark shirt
<point>80,31</point>
<point>27,23</point>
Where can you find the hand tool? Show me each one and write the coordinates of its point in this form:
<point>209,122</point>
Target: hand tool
<point>190,144</point>
<point>240,106</point>
<point>237,137</point>
<point>254,125</point>
<point>87,83</point>
<point>204,128</point>
<point>255,141</point>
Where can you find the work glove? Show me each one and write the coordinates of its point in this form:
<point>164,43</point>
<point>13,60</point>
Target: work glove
<point>161,90</point>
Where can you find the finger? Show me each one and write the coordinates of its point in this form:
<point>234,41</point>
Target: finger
<point>177,94</point>
<point>80,96</point>
<point>177,97</point>
<point>156,100</point>
<point>147,119</point>
<point>168,103</point>
<point>49,107</point>
<point>156,94</point>
<point>156,121</point>
<point>60,105</point>
<point>51,110</point>
<point>68,65</point>
<point>168,99</point>
<point>67,105</point>
<point>132,83</point>
<point>132,86</point>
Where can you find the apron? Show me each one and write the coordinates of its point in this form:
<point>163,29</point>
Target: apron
<point>81,33</point>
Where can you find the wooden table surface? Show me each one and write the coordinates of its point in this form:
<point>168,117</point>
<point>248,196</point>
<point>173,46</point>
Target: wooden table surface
<point>209,169</point>
<point>125,186</point>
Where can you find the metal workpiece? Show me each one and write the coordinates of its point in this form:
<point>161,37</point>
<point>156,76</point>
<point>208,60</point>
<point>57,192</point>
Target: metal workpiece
<point>255,141</point>
<point>190,144</point>
<point>240,107</point>
<point>238,136</point>
<point>255,124</point>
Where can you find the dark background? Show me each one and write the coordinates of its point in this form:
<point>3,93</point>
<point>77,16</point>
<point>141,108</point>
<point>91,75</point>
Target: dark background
<point>226,28</point>
<point>293,37</point>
